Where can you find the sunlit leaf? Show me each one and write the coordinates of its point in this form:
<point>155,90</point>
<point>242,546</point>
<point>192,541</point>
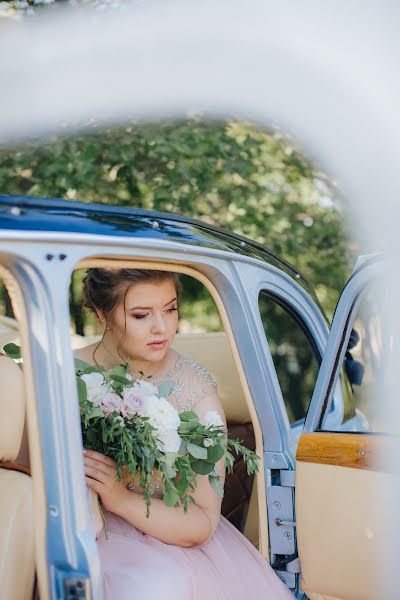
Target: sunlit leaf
<point>12,350</point>
<point>197,451</point>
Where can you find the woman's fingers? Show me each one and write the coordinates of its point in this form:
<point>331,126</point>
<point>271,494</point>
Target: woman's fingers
<point>100,474</point>
<point>96,464</point>
<point>100,457</point>
<point>94,485</point>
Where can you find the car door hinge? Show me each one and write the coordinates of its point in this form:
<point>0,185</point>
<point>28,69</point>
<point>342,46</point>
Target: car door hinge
<point>288,579</point>
<point>288,478</point>
<point>293,566</point>
<point>280,503</point>
<point>72,585</point>
<point>287,570</point>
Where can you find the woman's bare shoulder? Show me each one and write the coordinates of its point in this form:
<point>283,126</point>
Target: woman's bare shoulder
<point>86,353</point>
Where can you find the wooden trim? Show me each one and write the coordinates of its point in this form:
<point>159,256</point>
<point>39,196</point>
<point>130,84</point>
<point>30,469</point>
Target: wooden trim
<point>354,450</point>
<point>12,466</point>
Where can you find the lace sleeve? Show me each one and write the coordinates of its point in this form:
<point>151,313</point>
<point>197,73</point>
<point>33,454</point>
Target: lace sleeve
<point>192,383</point>
<point>204,399</point>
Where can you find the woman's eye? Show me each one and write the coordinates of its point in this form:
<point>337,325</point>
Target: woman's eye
<point>170,310</point>
<point>140,316</point>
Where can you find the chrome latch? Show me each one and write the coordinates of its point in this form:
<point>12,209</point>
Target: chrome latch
<point>283,523</point>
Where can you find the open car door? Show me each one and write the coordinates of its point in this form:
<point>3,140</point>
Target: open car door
<point>342,485</point>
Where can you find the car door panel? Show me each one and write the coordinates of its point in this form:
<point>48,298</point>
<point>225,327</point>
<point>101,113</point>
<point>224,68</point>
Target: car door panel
<point>340,529</point>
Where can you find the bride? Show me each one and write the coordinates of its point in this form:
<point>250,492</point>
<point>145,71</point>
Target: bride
<point>170,555</point>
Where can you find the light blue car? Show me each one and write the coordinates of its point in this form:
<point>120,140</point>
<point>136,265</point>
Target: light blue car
<point>310,515</point>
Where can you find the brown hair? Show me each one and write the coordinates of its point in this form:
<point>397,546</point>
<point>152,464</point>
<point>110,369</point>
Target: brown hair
<point>103,289</point>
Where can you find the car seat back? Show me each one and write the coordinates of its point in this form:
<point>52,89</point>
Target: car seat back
<point>17,558</point>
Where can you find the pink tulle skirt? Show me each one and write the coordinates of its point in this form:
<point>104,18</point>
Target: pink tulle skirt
<point>226,567</point>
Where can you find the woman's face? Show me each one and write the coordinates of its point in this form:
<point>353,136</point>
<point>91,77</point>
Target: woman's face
<point>151,313</point>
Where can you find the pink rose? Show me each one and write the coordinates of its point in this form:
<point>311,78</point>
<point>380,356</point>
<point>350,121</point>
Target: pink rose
<point>109,403</point>
<point>134,396</point>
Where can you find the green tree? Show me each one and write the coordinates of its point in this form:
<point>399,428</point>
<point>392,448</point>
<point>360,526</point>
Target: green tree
<point>231,174</point>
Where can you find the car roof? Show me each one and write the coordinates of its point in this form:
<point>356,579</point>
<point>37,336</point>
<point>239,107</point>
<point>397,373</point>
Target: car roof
<point>25,213</point>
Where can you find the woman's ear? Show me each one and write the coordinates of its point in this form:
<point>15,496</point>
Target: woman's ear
<point>101,315</point>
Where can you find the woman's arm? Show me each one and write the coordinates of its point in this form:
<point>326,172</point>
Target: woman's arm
<point>169,525</point>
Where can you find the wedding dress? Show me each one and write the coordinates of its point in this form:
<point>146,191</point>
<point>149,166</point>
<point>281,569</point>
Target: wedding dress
<point>137,566</point>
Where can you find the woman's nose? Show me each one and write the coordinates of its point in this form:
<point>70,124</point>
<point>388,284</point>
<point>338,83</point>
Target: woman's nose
<point>159,325</point>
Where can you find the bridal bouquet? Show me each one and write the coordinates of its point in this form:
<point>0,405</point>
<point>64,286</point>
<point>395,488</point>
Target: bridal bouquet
<point>132,422</point>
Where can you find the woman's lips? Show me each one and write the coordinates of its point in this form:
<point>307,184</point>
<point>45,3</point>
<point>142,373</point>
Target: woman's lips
<point>158,345</point>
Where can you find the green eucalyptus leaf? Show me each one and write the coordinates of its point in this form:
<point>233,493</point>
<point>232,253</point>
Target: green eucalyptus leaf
<point>187,427</point>
<point>188,415</point>
<point>229,462</point>
<point>170,458</point>
<point>201,467</point>
<point>120,379</point>
<point>12,350</point>
<point>183,447</point>
<point>119,371</point>
<point>197,451</point>
<point>216,485</point>
<point>171,497</point>
<point>181,486</point>
<point>95,412</point>
<point>164,389</point>
<point>93,369</point>
<point>168,471</point>
<point>81,365</point>
<point>215,453</point>
<point>82,391</point>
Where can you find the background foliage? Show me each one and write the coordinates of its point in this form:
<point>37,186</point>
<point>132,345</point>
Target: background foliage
<point>230,174</point>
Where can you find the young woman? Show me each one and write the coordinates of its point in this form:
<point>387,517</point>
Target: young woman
<point>170,555</point>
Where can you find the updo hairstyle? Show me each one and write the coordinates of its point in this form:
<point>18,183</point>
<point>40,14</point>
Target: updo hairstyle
<point>103,289</point>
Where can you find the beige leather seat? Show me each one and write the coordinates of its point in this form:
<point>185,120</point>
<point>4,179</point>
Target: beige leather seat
<point>17,564</point>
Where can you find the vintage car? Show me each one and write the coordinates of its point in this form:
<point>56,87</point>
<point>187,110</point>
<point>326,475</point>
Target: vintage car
<point>310,510</point>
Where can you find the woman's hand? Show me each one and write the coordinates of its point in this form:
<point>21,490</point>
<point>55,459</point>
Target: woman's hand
<point>101,477</point>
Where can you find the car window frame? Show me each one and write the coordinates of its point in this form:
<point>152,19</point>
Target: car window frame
<point>313,317</point>
<point>343,320</point>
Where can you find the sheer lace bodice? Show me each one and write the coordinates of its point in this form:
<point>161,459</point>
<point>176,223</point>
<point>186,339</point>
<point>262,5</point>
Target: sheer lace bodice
<point>192,383</point>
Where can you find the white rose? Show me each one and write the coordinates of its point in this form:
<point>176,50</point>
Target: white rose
<point>213,419</point>
<point>134,396</point>
<point>168,441</point>
<point>146,387</point>
<point>95,386</point>
<point>161,414</point>
<point>109,403</point>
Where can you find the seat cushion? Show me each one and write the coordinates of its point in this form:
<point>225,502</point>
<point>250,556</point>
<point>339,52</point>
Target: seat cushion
<point>17,557</point>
